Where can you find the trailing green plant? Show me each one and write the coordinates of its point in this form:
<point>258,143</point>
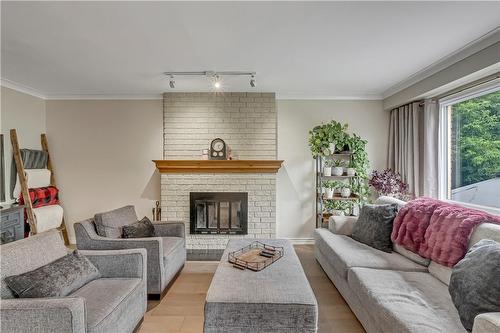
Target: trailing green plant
<point>334,184</point>
<point>331,205</point>
<point>323,136</point>
<point>329,162</point>
<point>338,163</point>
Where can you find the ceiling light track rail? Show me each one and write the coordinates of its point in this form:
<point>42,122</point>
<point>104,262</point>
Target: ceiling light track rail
<point>215,76</point>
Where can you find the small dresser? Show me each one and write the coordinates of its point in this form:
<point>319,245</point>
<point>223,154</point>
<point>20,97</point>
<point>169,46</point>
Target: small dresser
<point>12,223</point>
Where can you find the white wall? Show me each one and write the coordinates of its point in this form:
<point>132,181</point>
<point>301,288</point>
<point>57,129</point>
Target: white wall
<point>296,182</point>
<point>102,153</point>
<point>26,114</point>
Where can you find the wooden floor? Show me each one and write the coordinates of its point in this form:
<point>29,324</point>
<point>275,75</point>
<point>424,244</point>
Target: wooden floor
<point>181,310</point>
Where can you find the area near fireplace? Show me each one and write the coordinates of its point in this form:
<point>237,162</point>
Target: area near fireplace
<point>247,123</point>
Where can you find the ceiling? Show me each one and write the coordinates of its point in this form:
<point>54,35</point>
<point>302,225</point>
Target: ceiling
<point>298,49</point>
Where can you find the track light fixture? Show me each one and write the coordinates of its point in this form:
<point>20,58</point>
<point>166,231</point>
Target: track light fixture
<point>215,76</point>
<point>217,83</point>
<point>253,83</point>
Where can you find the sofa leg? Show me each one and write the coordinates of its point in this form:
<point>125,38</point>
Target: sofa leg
<point>159,297</point>
<point>136,329</point>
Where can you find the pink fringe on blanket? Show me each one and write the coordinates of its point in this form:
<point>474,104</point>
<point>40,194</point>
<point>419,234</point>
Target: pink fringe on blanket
<point>437,230</point>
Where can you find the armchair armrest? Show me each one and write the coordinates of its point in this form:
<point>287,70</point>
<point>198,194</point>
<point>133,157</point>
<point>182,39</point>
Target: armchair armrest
<point>487,323</point>
<point>43,315</point>
<point>170,229</point>
<point>119,263</point>
<point>342,225</point>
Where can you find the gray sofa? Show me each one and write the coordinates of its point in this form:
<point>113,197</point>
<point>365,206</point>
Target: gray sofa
<point>114,303</point>
<point>398,292</point>
<point>166,251</point>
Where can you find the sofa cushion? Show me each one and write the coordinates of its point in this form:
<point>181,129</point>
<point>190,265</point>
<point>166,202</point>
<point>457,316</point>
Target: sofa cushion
<point>110,224</point>
<point>28,254</point>
<point>374,226</point>
<point>475,282</point>
<point>112,304</point>
<point>343,252</point>
<point>485,231</point>
<point>139,229</point>
<point>405,302</point>
<point>440,272</point>
<point>170,244</point>
<point>411,255</point>
<point>56,279</point>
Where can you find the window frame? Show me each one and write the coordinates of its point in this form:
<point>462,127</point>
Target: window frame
<point>444,139</point>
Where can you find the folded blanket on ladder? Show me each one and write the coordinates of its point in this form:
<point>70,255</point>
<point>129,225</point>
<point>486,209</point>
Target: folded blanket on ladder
<point>42,196</point>
<point>35,178</point>
<point>48,217</point>
<point>437,230</point>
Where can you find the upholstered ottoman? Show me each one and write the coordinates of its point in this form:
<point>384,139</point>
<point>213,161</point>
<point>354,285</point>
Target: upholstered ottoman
<point>276,299</point>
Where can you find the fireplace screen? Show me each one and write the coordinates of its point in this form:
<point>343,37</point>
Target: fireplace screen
<point>218,212</point>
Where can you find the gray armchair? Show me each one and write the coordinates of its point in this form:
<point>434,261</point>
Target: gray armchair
<point>166,251</point>
<point>114,303</point>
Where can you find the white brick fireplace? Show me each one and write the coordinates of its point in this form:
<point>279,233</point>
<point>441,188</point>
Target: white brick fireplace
<point>247,123</point>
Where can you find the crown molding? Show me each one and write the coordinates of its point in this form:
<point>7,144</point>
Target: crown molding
<point>106,97</point>
<point>353,97</point>
<point>469,49</point>
<point>21,88</point>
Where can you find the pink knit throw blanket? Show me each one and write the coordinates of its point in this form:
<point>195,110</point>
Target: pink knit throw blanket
<point>437,230</point>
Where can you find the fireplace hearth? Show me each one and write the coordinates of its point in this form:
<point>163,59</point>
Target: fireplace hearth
<point>218,213</point>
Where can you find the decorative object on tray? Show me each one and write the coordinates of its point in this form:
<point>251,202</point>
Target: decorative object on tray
<point>255,256</point>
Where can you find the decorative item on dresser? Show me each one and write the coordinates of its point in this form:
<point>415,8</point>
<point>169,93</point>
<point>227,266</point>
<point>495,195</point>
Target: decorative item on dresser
<point>12,223</point>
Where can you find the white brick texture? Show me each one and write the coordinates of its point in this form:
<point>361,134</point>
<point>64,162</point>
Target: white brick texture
<point>261,189</point>
<point>247,122</point>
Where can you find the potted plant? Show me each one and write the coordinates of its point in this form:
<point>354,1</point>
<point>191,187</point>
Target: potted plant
<point>330,186</point>
<point>327,168</point>
<point>336,207</point>
<point>351,171</point>
<point>325,139</point>
<point>390,183</point>
<point>338,167</point>
<point>345,191</point>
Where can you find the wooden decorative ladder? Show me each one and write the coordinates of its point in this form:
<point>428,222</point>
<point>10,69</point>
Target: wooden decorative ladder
<point>24,183</point>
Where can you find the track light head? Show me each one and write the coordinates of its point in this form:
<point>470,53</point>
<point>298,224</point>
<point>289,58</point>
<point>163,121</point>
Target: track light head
<point>253,83</point>
<point>217,84</point>
<point>172,82</point>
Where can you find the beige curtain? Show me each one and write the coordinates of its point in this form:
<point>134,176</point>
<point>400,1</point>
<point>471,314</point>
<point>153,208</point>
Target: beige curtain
<point>413,146</point>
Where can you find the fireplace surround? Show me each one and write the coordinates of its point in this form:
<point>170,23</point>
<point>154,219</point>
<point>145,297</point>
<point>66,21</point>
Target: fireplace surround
<point>218,213</point>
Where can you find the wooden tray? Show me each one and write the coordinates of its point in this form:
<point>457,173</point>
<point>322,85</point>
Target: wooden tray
<point>250,256</point>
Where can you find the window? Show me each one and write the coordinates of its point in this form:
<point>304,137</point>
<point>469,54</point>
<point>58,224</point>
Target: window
<point>470,146</point>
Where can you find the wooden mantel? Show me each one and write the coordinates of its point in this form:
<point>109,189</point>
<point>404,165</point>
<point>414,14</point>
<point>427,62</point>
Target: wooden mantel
<point>218,166</point>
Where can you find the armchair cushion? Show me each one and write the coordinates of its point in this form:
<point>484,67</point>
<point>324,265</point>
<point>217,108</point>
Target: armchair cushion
<point>110,224</point>
<point>113,304</point>
<point>56,279</point>
<point>142,228</point>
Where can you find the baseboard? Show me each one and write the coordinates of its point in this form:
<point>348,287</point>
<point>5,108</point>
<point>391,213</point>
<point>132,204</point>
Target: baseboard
<point>301,241</point>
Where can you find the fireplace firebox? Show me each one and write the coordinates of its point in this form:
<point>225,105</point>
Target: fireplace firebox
<point>218,213</point>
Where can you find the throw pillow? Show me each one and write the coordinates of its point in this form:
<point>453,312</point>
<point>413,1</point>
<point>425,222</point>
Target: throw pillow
<point>142,228</point>
<point>374,226</point>
<point>110,224</point>
<point>56,279</point>
<point>475,282</point>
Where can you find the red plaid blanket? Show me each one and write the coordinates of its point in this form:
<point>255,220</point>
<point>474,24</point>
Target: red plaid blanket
<point>42,196</point>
